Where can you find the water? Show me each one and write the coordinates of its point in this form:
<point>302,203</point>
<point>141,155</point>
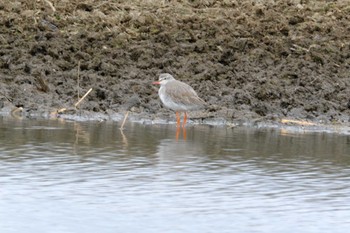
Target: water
<point>61,176</point>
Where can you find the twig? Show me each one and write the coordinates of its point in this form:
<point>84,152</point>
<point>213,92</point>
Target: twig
<point>15,111</point>
<point>51,5</point>
<point>6,97</point>
<point>78,79</point>
<point>61,110</point>
<point>297,122</point>
<point>295,46</point>
<point>58,111</point>
<point>125,117</point>
<point>77,103</point>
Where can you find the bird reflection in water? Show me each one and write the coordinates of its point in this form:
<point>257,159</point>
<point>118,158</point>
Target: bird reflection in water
<point>184,135</point>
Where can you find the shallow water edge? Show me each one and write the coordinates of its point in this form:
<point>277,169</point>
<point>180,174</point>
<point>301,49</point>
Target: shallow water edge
<point>286,125</point>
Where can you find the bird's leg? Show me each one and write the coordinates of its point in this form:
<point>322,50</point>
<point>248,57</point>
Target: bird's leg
<point>185,119</point>
<point>184,134</point>
<point>177,119</point>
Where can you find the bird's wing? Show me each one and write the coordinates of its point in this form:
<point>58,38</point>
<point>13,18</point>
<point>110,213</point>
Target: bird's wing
<point>184,94</point>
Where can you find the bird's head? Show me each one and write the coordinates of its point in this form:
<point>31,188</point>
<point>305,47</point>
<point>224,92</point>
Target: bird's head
<point>164,78</point>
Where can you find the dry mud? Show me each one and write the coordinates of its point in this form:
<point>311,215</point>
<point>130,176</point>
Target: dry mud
<point>249,60</point>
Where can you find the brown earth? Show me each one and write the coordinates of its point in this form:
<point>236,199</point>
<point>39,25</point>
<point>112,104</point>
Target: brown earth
<point>248,60</point>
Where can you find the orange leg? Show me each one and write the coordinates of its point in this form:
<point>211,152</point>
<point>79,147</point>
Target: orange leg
<point>185,119</point>
<point>184,133</point>
<point>177,119</point>
<point>177,133</point>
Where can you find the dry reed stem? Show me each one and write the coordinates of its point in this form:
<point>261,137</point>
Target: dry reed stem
<point>77,103</point>
<point>51,5</point>
<point>297,122</point>
<point>78,79</point>
<point>54,113</point>
<point>125,117</point>
<point>15,111</point>
<point>8,99</point>
<point>61,110</point>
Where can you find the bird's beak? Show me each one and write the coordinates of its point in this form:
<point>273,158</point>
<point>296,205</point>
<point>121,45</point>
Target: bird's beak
<point>156,83</point>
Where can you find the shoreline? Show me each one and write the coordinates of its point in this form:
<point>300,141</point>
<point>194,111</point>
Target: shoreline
<point>285,125</point>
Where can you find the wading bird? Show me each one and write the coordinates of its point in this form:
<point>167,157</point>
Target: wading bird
<point>178,96</point>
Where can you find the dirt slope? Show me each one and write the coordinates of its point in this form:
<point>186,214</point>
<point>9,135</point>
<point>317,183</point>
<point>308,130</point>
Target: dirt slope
<point>247,60</point>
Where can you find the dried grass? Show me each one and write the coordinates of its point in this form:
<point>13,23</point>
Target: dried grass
<point>82,98</point>
<point>297,122</point>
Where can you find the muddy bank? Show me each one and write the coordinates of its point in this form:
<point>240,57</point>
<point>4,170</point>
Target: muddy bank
<point>269,60</point>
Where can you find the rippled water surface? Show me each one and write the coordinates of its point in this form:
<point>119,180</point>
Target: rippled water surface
<point>61,176</point>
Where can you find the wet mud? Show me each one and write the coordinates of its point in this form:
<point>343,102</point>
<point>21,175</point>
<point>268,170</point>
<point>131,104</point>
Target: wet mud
<point>249,60</point>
